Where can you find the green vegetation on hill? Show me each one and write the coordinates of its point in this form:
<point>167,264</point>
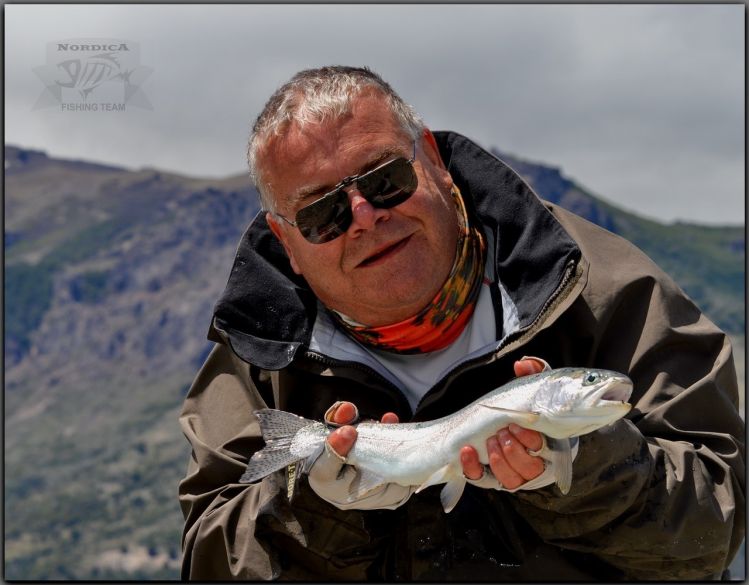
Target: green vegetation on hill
<point>28,295</point>
<point>99,479</point>
<point>29,287</point>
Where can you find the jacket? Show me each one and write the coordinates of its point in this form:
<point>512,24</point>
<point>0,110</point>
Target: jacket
<point>657,495</point>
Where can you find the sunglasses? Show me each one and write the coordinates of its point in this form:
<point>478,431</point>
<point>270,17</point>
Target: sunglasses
<point>385,186</point>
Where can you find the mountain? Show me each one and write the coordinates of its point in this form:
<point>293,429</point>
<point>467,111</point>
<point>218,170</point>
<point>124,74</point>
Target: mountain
<point>707,262</point>
<point>110,279</point>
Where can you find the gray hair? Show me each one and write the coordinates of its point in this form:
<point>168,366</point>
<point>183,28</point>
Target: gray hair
<point>312,96</point>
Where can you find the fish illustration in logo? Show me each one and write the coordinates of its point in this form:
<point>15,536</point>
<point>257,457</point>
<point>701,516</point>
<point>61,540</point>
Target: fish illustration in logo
<point>85,75</point>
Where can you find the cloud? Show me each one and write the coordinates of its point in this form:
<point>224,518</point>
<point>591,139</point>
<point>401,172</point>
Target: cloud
<point>635,101</point>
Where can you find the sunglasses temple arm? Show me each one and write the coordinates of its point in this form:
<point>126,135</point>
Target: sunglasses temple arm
<point>291,223</point>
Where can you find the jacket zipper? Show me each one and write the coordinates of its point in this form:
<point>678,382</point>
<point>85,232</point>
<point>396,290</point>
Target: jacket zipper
<point>520,336</point>
<point>331,362</point>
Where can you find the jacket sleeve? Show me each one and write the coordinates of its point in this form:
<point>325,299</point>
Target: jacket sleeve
<point>219,538</point>
<point>660,494</point>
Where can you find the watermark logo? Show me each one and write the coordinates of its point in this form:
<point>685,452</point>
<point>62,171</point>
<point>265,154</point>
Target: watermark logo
<point>93,75</point>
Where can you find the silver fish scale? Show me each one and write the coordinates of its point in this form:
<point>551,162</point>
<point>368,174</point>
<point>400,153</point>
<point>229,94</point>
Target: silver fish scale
<point>409,453</point>
<point>560,403</point>
<point>307,438</point>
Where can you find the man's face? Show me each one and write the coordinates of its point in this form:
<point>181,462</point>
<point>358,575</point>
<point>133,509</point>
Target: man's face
<point>390,263</point>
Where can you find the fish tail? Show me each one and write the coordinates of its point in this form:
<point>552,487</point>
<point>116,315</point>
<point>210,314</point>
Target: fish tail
<point>278,429</point>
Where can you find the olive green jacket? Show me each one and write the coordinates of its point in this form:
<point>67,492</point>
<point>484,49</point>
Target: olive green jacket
<point>658,495</point>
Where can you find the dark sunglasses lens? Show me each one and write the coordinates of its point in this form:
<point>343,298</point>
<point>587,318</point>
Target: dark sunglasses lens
<point>326,218</point>
<point>330,216</point>
<point>389,185</point>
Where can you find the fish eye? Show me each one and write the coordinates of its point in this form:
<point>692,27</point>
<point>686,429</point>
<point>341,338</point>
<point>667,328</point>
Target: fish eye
<point>591,378</point>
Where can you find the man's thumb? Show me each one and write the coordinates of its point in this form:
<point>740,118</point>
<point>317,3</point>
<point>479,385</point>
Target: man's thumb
<point>328,465</point>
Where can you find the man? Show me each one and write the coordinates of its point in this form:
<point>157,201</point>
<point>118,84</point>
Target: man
<point>402,274</point>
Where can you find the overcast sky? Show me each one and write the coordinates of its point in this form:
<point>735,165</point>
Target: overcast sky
<point>641,104</point>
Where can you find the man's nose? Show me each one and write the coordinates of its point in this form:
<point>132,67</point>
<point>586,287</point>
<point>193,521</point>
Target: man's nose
<point>364,215</point>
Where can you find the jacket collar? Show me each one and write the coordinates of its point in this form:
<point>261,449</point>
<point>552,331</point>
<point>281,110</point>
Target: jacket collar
<point>267,312</point>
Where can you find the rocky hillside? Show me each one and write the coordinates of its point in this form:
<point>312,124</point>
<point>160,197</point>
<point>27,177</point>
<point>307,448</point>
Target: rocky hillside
<point>111,275</point>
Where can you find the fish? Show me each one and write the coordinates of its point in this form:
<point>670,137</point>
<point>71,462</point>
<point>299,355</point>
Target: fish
<point>560,403</point>
<point>85,75</point>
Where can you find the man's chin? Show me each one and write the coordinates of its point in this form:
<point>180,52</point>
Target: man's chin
<point>393,306</point>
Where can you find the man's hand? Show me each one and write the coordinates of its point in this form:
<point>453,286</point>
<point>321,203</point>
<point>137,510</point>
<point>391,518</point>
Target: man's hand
<point>342,440</point>
<point>509,459</point>
<point>332,479</point>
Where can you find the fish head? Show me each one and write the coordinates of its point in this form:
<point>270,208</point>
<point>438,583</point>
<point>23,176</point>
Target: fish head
<point>575,401</point>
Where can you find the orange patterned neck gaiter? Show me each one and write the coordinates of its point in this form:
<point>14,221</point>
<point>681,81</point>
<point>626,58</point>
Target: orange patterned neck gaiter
<point>441,322</point>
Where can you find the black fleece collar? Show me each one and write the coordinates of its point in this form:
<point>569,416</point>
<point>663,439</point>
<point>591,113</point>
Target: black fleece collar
<point>268,312</point>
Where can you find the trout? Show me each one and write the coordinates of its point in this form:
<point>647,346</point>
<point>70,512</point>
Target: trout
<point>561,404</point>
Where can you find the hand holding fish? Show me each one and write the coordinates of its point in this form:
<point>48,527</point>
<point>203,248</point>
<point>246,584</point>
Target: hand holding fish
<point>388,462</point>
<point>509,459</point>
<point>332,480</point>
<point>345,413</point>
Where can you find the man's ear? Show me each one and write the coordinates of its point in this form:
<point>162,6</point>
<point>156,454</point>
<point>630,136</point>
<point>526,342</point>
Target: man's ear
<point>432,151</point>
<point>275,227</point>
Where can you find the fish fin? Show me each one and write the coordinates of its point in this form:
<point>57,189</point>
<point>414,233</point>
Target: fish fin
<point>307,463</point>
<point>439,476</point>
<point>524,415</point>
<point>562,460</point>
<point>535,483</point>
<point>279,424</point>
<point>296,470</point>
<point>278,429</point>
<point>451,493</point>
<point>266,461</point>
<point>365,482</point>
